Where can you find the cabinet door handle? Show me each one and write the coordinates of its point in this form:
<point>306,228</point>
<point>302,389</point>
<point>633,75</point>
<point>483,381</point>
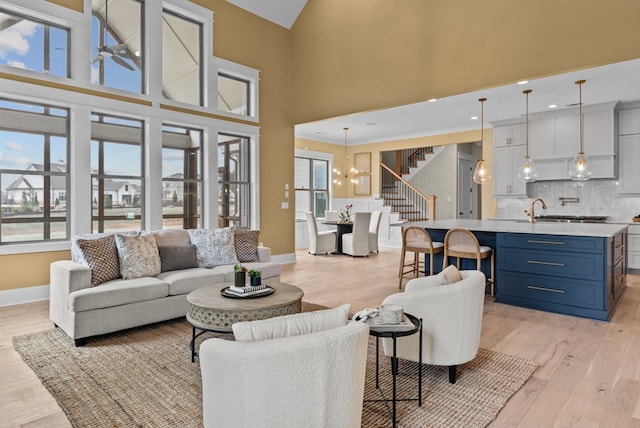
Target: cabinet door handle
<point>552,290</point>
<point>534,241</point>
<point>536,262</point>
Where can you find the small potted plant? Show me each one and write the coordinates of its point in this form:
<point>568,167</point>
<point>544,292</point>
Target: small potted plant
<point>255,277</point>
<point>239,279</point>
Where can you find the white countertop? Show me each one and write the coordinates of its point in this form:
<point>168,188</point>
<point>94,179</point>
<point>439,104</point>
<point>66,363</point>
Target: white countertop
<point>519,226</point>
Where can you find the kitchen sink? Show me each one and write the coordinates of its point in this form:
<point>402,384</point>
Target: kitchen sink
<point>572,219</point>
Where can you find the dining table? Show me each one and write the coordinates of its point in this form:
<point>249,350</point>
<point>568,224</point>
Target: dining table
<point>342,227</point>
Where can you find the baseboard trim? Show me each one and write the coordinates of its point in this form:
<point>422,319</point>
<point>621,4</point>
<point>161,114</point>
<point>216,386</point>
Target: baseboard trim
<point>19,296</point>
<point>284,258</point>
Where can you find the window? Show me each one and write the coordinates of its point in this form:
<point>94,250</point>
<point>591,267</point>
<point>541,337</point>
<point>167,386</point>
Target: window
<point>181,59</point>
<point>116,44</point>
<point>117,191</point>
<point>233,94</point>
<point>33,172</point>
<point>33,44</point>
<point>181,177</point>
<point>233,181</point>
<point>311,183</point>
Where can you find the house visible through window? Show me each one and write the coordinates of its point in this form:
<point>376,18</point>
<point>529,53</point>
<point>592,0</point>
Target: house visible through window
<point>233,181</point>
<point>117,190</point>
<point>33,172</point>
<point>34,45</point>
<point>311,184</point>
<point>181,177</point>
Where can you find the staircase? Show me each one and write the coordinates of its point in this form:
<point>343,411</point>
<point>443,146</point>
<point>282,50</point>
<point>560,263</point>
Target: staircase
<point>406,202</point>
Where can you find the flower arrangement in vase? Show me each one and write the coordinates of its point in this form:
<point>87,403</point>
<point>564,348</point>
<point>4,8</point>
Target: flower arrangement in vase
<point>345,214</point>
<point>240,275</point>
<point>255,276</point>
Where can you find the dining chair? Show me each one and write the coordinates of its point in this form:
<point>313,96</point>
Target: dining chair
<point>319,242</point>
<point>374,227</point>
<point>356,243</point>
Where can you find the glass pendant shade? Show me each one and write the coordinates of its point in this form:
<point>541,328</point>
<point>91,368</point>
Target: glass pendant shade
<point>527,170</point>
<point>481,173</point>
<point>580,168</point>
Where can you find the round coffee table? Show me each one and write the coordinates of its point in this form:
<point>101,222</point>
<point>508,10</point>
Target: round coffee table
<point>208,310</point>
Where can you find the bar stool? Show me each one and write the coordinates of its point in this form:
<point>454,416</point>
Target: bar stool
<point>417,240</point>
<point>461,243</point>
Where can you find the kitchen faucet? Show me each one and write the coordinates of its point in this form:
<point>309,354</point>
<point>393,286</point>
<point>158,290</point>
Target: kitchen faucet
<point>531,212</point>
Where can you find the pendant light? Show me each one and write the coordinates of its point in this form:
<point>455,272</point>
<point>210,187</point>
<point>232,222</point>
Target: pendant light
<point>481,173</point>
<point>580,167</point>
<point>347,175</point>
<point>527,170</point>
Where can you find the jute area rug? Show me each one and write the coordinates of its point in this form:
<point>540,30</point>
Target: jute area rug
<point>144,377</point>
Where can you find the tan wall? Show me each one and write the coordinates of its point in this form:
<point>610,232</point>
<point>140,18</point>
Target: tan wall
<point>246,39</point>
<point>360,55</point>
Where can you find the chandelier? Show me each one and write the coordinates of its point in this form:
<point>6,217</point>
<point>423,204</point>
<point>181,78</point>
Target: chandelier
<point>347,175</point>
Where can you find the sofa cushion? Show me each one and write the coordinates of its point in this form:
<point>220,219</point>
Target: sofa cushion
<point>246,244</point>
<point>138,255</point>
<point>268,270</point>
<point>101,255</point>
<point>172,238</point>
<point>176,258</point>
<point>118,292</point>
<point>214,247</point>
<point>186,280</point>
<point>291,325</point>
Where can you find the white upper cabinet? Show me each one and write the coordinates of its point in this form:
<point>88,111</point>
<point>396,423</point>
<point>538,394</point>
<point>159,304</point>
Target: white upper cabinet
<point>505,175</point>
<point>629,121</point>
<point>629,181</point>
<point>512,135</point>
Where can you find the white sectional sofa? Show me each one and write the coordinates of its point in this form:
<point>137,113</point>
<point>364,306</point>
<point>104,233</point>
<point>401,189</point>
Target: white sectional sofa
<point>150,287</point>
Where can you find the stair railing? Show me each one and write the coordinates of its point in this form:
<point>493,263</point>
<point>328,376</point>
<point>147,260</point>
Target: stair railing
<point>423,204</point>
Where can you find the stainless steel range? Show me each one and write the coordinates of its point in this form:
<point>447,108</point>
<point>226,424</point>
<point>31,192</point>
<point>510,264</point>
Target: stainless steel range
<point>572,218</point>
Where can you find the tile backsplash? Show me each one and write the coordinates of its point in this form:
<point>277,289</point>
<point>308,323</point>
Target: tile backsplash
<point>597,198</point>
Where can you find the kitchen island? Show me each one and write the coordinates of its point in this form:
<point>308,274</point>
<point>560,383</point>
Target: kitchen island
<point>570,268</point>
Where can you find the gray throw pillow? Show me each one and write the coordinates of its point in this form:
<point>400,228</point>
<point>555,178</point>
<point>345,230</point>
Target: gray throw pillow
<point>178,257</point>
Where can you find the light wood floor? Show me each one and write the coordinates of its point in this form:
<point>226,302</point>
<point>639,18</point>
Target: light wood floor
<point>589,373</point>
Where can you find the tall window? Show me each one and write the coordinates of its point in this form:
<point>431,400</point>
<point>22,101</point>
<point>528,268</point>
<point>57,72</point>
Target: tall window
<point>233,181</point>
<point>311,186</point>
<point>33,45</point>
<point>181,177</point>
<point>116,44</point>
<point>181,59</point>
<point>234,94</point>
<point>33,172</point>
<point>116,173</point>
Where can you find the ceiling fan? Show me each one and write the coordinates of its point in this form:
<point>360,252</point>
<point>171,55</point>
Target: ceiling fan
<point>118,53</point>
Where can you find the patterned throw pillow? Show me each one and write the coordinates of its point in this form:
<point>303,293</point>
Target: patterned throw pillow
<point>246,243</point>
<point>138,255</point>
<point>214,247</point>
<point>101,255</point>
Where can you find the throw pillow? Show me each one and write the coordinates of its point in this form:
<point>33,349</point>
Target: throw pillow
<point>101,255</point>
<point>450,275</point>
<point>246,243</point>
<point>291,325</point>
<point>176,258</point>
<point>214,247</point>
<point>138,255</point>
<point>172,238</point>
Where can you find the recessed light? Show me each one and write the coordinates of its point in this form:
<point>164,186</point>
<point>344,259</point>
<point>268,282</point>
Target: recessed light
<point>370,124</point>
<point>523,82</point>
<point>432,100</point>
<point>552,106</point>
<point>474,117</point>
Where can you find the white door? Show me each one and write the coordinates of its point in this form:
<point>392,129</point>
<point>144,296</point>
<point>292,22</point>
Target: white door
<point>465,188</point>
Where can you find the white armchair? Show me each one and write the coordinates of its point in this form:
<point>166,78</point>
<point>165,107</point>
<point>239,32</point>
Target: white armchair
<point>311,380</point>
<point>319,242</point>
<point>451,320</point>
<point>357,242</point>
<point>374,227</point>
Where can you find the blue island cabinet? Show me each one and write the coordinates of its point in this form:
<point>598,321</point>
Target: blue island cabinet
<point>575,275</point>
